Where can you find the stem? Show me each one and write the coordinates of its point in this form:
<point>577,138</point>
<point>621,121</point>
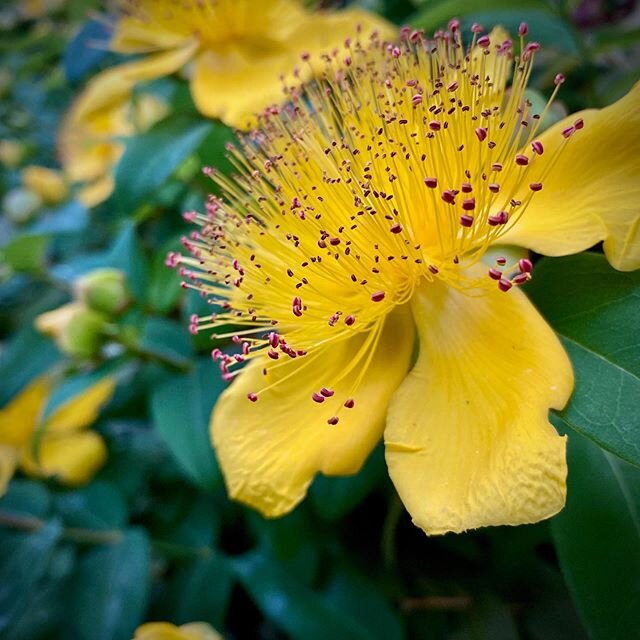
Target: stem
<point>389,532</point>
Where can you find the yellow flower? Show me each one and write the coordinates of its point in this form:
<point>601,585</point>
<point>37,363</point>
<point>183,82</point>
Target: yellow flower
<point>239,48</point>
<point>356,228</point>
<point>49,184</point>
<point>168,631</point>
<point>57,445</point>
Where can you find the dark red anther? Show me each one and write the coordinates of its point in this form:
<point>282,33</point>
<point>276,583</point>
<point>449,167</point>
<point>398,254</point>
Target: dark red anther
<point>333,421</point>
<point>350,403</point>
<point>578,124</point>
<point>469,204</point>
<point>537,147</point>
<point>327,393</point>
<point>349,320</point>
<point>522,160</point>
<point>432,183</point>
<point>448,196</point>
<point>496,166</point>
<point>316,397</point>
<point>559,79</point>
<point>536,186</point>
<point>466,187</point>
<point>521,278</point>
<point>396,228</point>
<point>481,133</point>
<point>498,218</point>
<point>494,187</point>
<point>476,28</point>
<point>252,396</point>
<point>416,99</point>
<point>466,220</point>
<point>334,242</point>
<point>484,42</point>
<point>495,274</point>
<point>504,284</point>
<point>433,269</point>
<point>501,261</point>
<point>525,265</point>
<point>434,125</point>
<point>567,132</point>
<point>378,296</point>
<point>523,29</point>
<point>274,355</point>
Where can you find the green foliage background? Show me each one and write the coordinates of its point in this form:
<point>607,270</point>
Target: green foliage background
<point>154,537</point>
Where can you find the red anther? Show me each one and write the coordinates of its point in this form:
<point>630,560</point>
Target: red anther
<point>497,167</point>
<point>501,261</point>
<point>216,354</point>
<point>523,29</point>
<point>322,244</point>
<point>448,196</point>
<point>433,269</point>
<point>466,220</point>
<point>579,124</point>
<point>348,61</point>
<point>476,28</point>
<point>416,100</point>
<point>537,147</point>
<point>327,393</point>
<point>333,421</point>
<point>568,132</point>
<point>525,265</point>
<point>395,52</point>
<point>434,125</point>
<point>172,259</point>
<point>481,133</point>
<point>334,242</point>
<point>529,49</point>
<point>536,186</point>
<point>469,204</point>
<point>297,302</point>
<point>494,187</point>
<point>466,187</point>
<point>349,320</point>
<point>252,396</point>
<point>396,228</point>
<point>506,46</point>
<point>498,218</point>
<point>274,339</point>
<point>432,183</point>
<point>274,355</point>
<point>495,274</point>
<point>521,278</point>
<point>304,56</point>
<point>349,403</point>
<point>415,35</point>
<point>378,296</point>
<point>559,79</point>
<point>316,397</point>
<point>454,25</point>
<point>452,86</point>
<point>235,339</point>
<point>246,348</point>
<point>504,284</point>
<point>484,42</point>
<point>522,160</point>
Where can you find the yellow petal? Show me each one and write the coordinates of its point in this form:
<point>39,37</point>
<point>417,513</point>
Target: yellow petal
<point>72,458</point>
<point>236,82</point>
<point>592,193</point>
<point>8,463</point>
<point>20,417</point>
<point>50,185</point>
<point>97,191</point>
<point>199,631</point>
<point>168,631</point>
<point>133,35</point>
<point>83,409</point>
<point>468,442</point>
<point>270,450</point>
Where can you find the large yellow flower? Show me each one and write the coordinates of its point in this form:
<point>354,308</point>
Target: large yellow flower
<point>64,450</point>
<point>168,631</point>
<point>240,48</point>
<point>357,224</point>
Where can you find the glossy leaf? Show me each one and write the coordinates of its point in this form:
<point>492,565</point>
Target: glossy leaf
<point>597,537</point>
<point>595,310</point>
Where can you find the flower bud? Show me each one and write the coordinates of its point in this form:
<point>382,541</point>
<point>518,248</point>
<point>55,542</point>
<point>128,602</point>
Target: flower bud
<point>77,330</point>
<point>20,205</point>
<point>103,290</point>
<point>11,151</point>
<point>47,183</point>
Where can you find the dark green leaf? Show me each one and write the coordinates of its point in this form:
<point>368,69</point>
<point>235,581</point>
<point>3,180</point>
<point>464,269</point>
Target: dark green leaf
<point>26,252</point>
<point>598,324</point>
<point>168,339</point>
<point>150,158</point>
<point>82,55</point>
<point>98,506</point>
<point>127,255</point>
<point>164,283</point>
<point>26,497</point>
<point>181,407</point>
<point>291,605</point>
<point>71,217</point>
<point>597,538</point>
<point>111,589</point>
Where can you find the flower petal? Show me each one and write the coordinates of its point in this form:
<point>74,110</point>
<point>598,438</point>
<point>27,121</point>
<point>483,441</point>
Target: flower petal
<point>270,450</point>
<point>593,190</point>
<point>134,35</point>
<point>8,463</point>
<point>82,409</point>
<point>18,420</point>
<point>468,442</point>
<point>73,459</point>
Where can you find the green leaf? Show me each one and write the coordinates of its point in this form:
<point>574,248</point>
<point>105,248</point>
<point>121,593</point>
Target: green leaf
<point>291,605</point>
<point>111,589</point>
<point>127,255</point>
<point>595,309</point>
<point>168,339</point>
<point>150,158</point>
<point>24,560</point>
<point>597,538</point>
<point>26,497</point>
<point>98,506</point>
<point>164,288</point>
<point>26,252</point>
<point>181,407</point>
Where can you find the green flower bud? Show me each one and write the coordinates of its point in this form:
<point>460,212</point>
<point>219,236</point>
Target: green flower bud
<point>103,290</point>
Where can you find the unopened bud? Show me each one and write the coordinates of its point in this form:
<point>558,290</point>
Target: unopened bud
<point>50,185</point>
<point>103,290</point>
<point>77,330</point>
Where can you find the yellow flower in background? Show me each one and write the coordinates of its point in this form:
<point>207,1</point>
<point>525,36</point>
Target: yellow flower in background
<point>168,631</point>
<point>58,445</point>
<point>49,184</point>
<point>239,49</point>
<point>356,227</point>
<point>91,138</point>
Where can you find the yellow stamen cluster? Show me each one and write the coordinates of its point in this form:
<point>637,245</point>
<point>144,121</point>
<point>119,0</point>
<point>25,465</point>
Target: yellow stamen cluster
<point>399,165</point>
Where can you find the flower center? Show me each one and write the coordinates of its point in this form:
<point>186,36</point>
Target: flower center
<point>399,165</point>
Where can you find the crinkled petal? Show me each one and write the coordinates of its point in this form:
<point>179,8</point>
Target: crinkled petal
<point>20,417</point>
<point>73,458</point>
<point>592,192</point>
<point>270,450</point>
<point>468,441</point>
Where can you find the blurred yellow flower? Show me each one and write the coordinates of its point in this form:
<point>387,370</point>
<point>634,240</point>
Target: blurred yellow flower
<point>49,184</point>
<point>11,153</point>
<point>58,445</point>
<point>168,631</point>
<point>240,49</point>
<point>355,231</point>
